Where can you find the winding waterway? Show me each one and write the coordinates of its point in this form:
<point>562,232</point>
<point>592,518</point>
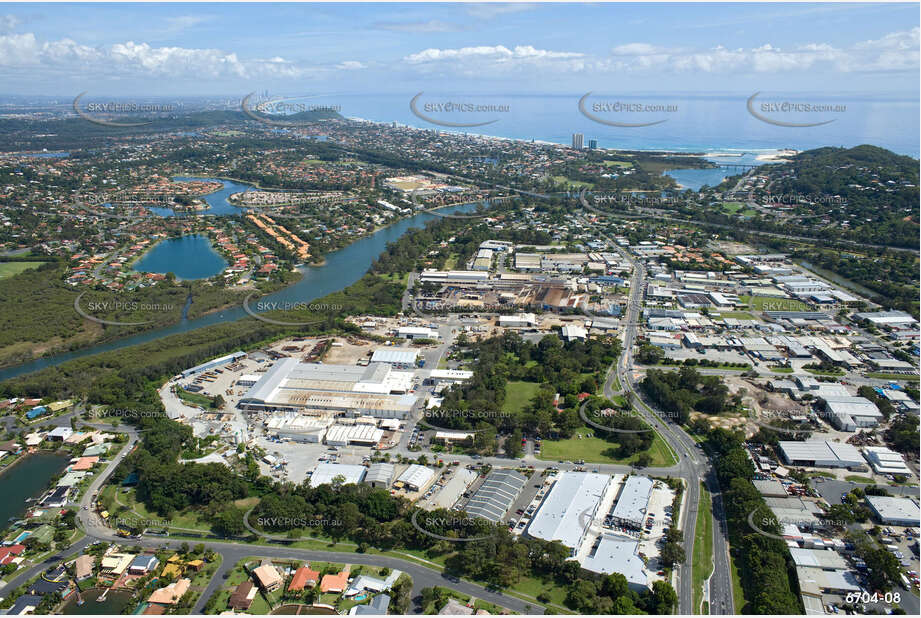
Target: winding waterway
<point>341,269</point>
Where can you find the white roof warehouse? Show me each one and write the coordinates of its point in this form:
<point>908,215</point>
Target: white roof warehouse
<point>570,507</point>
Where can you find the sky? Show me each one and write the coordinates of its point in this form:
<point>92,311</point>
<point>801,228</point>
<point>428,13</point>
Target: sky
<point>228,49</point>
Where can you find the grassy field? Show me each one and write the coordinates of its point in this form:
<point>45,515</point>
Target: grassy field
<point>8,269</point>
<point>782,369</point>
<point>703,547</point>
<point>766,303</point>
<point>739,315</point>
<point>892,376</point>
<point>195,398</point>
<point>733,207</point>
<point>822,372</point>
<point>591,449</point>
<point>855,478</point>
<point>518,395</point>
<point>621,164</point>
<point>576,183</point>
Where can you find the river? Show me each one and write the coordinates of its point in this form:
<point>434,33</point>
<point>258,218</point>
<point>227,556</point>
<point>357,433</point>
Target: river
<point>26,479</point>
<point>341,269</point>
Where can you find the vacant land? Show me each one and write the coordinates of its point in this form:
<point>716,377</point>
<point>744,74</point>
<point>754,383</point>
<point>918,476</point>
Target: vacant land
<point>586,445</point>
<point>8,269</point>
<point>703,547</point>
<point>518,395</point>
<point>766,303</point>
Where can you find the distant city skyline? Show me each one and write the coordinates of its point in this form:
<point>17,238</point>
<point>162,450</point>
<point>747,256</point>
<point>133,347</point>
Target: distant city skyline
<point>218,49</point>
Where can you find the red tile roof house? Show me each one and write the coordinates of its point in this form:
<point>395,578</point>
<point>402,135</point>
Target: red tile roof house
<point>303,577</point>
<point>8,553</point>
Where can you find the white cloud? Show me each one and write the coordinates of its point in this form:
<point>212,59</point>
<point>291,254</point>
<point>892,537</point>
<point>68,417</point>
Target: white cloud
<point>498,53</point>
<point>19,51</point>
<point>895,51</point>
<point>351,65</point>
<point>175,25</point>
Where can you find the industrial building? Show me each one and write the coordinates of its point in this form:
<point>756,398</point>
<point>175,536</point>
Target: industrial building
<point>398,358</point>
<point>217,362</point>
<point>379,475</point>
<point>820,454</point>
<point>619,555</point>
<point>633,501</point>
<point>894,511</point>
<point>416,477</point>
<point>850,413</point>
<point>885,461</point>
<point>359,434</point>
<point>292,386</point>
<point>496,495</point>
<point>324,474</point>
<point>568,510</point>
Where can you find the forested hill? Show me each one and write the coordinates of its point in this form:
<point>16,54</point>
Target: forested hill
<point>876,191</point>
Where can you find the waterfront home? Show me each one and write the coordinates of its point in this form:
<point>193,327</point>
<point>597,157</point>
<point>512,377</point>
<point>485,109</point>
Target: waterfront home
<point>170,594</point>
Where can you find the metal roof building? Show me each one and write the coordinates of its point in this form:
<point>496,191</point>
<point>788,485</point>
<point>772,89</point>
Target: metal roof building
<point>633,501</point>
<point>619,555</point>
<point>496,495</point>
<point>416,477</point>
<point>291,386</point>
<point>399,357</point>
<point>825,559</point>
<point>894,511</point>
<point>820,454</point>
<point>379,475</point>
<point>324,474</point>
<point>568,510</point>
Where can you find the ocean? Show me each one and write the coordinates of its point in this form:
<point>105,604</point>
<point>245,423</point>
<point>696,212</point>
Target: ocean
<point>691,123</point>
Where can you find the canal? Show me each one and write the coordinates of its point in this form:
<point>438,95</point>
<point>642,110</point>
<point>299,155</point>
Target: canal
<point>187,257</point>
<point>26,479</point>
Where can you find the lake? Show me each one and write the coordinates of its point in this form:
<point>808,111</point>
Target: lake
<point>188,257</point>
<point>26,479</point>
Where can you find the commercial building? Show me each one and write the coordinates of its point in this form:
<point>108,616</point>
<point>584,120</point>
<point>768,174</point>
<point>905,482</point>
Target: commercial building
<point>496,495</point>
<point>823,559</point>
<point>850,413</point>
<point>416,477</point>
<point>520,320</point>
<point>217,362</point>
<point>324,474</point>
<point>398,358</point>
<point>630,509</point>
<point>820,454</point>
<point>379,475</point>
<point>417,332</point>
<point>885,461</point>
<point>568,510</point>
<point>619,555</point>
<point>894,511</point>
<point>292,386</point>
<point>360,435</point>
<point>298,427</point>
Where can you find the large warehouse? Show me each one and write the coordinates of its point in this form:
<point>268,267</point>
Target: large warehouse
<point>496,495</point>
<point>568,510</point>
<point>820,454</point>
<point>619,555</point>
<point>633,501</point>
<point>292,386</point>
<point>325,473</point>
<point>893,511</point>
